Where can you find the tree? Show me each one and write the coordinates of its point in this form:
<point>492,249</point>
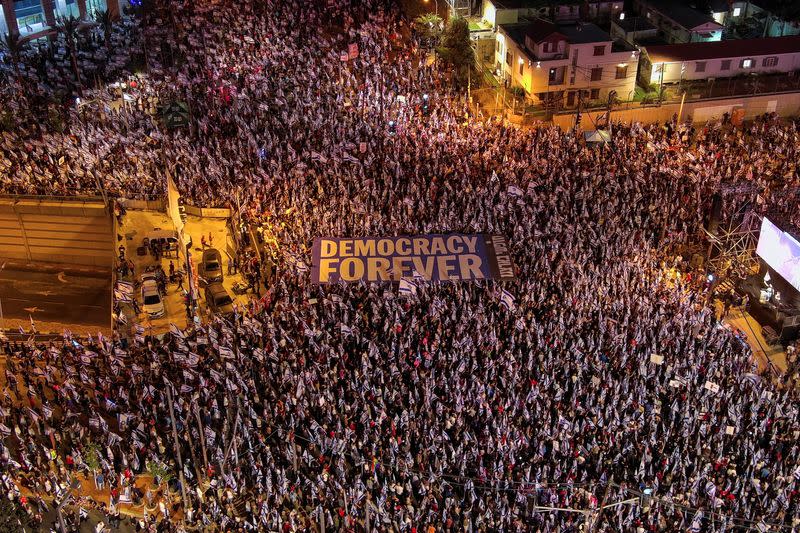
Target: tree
<point>456,49</point>
<point>13,45</point>
<point>69,27</point>
<point>429,26</point>
<point>103,17</point>
<point>92,458</point>
<point>160,472</point>
<point>12,516</point>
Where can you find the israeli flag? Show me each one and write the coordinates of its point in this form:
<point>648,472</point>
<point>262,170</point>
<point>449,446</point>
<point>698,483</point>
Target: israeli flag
<point>514,191</point>
<point>508,301</point>
<point>175,330</point>
<point>697,522</point>
<point>408,287</point>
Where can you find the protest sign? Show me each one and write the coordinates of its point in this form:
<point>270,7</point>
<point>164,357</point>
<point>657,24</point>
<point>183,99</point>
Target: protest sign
<point>452,257</point>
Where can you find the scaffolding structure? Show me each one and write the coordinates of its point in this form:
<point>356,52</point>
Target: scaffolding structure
<point>732,246</point>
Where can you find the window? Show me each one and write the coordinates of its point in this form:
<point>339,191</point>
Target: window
<point>521,66</point>
<point>497,46</point>
<point>737,11</point>
<point>725,65</point>
<point>700,66</point>
<point>556,76</point>
<point>746,63</point>
<point>599,50</point>
<point>595,94</point>
<point>769,61</point>
<point>508,58</point>
<point>597,74</point>
<point>622,72</point>
<point>546,47</point>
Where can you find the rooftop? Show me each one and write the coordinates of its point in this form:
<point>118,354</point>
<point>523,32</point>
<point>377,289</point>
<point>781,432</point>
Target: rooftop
<point>583,32</point>
<point>686,16</point>
<point>719,6</point>
<point>621,45</point>
<point>529,4</point>
<point>634,24</point>
<point>724,49</point>
<point>540,29</point>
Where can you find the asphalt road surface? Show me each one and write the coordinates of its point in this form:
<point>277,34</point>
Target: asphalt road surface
<point>55,297</point>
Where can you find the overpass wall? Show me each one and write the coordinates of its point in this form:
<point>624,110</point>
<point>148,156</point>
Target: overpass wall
<point>51,230</point>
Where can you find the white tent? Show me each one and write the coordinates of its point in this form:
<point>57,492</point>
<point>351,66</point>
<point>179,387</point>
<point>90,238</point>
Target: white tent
<point>597,136</point>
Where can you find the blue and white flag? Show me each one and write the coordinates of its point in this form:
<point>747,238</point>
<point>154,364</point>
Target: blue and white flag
<point>697,522</point>
<point>175,330</point>
<point>515,191</point>
<point>508,301</point>
<point>408,287</point>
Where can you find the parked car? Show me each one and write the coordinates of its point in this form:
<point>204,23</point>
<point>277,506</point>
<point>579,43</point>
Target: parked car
<point>210,267</point>
<point>152,302</point>
<point>218,300</point>
<point>168,239</point>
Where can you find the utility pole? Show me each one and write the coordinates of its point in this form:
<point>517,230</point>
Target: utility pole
<point>177,447</point>
<point>60,507</point>
<point>196,410</point>
<point>366,514</point>
<point>231,443</point>
<point>596,522</point>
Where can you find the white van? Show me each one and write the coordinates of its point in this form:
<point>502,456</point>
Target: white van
<point>168,239</point>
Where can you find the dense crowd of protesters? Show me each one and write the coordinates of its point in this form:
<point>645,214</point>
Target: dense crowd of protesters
<point>440,411</point>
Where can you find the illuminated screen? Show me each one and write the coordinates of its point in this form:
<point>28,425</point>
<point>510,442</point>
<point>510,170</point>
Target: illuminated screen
<point>780,251</point>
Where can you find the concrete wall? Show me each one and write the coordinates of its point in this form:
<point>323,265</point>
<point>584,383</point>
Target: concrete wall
<point>69,231</point>
<point>143,205</point>
<point>785,104</point>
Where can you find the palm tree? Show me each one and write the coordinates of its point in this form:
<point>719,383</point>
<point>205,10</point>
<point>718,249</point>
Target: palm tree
<point>12,44</point>
<point>69,27</point>
<point>103,17</point>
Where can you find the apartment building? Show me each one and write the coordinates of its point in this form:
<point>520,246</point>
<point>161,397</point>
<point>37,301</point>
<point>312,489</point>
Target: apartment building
<point>556,62</point>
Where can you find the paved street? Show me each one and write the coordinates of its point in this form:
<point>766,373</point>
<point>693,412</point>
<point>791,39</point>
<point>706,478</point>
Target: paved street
<point>54,299</point>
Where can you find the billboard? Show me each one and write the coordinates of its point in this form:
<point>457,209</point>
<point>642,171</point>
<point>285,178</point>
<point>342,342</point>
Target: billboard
<point>780,251</point>
<point>450,257</point>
